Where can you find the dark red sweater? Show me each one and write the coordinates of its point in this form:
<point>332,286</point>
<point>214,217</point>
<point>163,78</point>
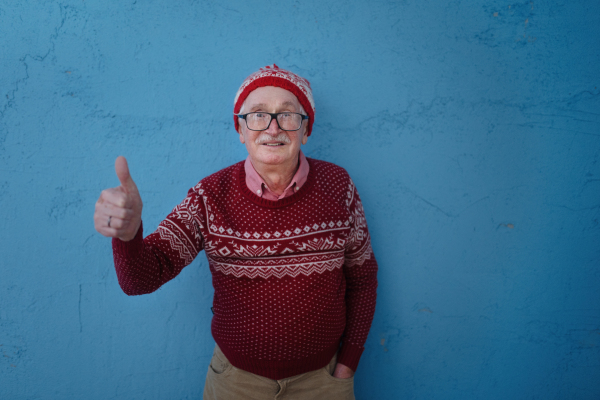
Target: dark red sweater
<point>292,277</point>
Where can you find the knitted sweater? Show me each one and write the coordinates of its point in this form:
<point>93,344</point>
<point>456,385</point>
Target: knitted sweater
<point>293,278</point>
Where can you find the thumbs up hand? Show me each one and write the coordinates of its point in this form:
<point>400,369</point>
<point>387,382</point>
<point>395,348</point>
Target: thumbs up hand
<point>118,211</point>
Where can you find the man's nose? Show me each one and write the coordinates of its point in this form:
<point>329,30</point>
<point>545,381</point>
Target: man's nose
<point>273,126</point>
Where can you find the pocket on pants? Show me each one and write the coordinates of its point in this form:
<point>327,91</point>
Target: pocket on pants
<point>219,365</point>
<point>348,381</point>
<point>217,385</point>
<point>332,388</point>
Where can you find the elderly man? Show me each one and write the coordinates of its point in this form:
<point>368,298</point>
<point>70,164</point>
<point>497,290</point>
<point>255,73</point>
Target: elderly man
<point>287,245</point>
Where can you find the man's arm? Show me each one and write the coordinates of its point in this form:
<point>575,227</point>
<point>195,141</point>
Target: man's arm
<point>360,270</point>
<point>144,265</point>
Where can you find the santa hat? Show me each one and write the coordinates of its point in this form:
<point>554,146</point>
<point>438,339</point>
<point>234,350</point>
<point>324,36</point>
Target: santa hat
<point>274,76</point>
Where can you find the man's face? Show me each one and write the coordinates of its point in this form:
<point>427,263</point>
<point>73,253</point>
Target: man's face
<point>272,147</point>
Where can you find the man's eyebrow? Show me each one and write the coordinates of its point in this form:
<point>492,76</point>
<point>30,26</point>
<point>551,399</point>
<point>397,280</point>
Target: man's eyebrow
<point>264,106</point>
<point>288,103</point>
<point>257,106</point>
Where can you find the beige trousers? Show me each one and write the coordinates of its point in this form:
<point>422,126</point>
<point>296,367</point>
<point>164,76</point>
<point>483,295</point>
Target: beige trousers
<point>225,382</point>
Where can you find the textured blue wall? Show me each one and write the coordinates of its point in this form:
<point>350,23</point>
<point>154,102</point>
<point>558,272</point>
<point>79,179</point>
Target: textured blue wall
<point>471,128</point>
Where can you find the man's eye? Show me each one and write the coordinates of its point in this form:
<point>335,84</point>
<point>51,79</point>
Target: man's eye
<point>286,115</point>
<point>259,115</point>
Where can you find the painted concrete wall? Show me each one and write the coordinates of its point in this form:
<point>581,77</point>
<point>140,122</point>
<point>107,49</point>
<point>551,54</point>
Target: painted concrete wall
<point>471,128</point>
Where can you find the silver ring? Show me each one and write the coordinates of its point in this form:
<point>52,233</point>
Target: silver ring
<point>109,220</point>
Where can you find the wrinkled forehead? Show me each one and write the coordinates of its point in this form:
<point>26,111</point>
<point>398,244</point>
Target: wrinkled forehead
<point>271,98</point>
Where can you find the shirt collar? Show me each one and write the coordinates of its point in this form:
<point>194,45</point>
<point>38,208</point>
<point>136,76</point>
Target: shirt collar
<point>257,185</point>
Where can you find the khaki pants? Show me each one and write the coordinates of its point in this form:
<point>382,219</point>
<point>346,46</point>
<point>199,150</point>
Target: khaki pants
<point>226,382</point>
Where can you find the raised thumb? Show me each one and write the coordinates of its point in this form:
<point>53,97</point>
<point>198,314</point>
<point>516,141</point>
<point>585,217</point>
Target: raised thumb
<point>122,170</point>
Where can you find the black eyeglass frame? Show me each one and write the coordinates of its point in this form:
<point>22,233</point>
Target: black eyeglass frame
<point>243,116</point>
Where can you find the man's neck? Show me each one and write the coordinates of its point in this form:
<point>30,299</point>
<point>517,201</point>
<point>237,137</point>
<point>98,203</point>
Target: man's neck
<point>277,177</point>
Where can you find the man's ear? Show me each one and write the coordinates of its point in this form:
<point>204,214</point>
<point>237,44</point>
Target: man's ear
<point>305,136</point>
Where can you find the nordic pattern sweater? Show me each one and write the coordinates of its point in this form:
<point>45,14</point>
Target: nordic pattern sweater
<point>295,280</point>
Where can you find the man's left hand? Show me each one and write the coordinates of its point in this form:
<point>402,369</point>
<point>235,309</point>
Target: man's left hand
<point>342,372</point>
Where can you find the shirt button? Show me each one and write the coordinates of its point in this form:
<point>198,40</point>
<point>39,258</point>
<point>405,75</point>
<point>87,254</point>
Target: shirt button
<point>297,188</point>
<point>259,192</point>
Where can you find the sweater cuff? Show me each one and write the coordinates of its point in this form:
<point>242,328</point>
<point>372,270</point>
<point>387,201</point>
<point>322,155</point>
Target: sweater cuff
<point>131,248</point>
<point>350,355</point>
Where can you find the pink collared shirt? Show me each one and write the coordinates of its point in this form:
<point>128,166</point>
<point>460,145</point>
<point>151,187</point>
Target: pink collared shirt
<point>257,185</point>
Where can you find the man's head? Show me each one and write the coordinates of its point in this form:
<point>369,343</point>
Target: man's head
<point>274,91</point>
<point>275,76</point>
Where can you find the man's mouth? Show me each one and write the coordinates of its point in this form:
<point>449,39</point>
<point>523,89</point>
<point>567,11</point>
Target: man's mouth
<point>273,141</point>
<point>273,144</point>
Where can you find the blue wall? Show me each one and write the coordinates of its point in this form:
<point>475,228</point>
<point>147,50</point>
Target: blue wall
<point>471,128</point>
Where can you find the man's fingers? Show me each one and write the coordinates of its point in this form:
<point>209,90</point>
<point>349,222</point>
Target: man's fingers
<point>119,227</point>
<point>108,232</point>
<point>101,224</point>
<point>117,223</point>
<point>122,170</point>
<point>115,196</point>
<point>115,211</point>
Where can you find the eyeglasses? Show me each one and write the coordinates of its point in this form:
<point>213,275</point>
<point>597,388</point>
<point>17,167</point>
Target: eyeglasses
<point>260,121</point>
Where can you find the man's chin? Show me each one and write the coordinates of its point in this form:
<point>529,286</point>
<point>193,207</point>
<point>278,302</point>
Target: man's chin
<point>273,151</point>
<point>272,159</point>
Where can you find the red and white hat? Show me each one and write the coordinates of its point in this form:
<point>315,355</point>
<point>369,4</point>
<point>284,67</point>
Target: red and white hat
<point>272,75</point>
